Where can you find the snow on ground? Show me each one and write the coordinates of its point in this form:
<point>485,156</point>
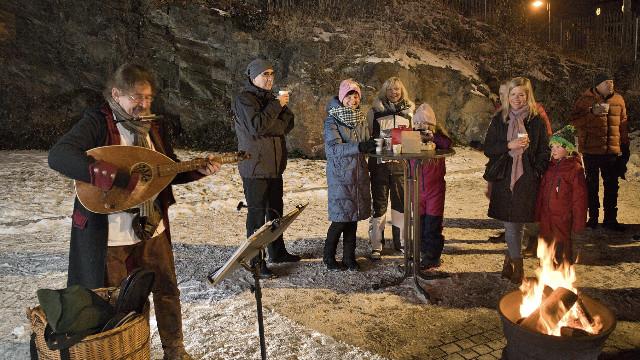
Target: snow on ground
<point>310,313</point>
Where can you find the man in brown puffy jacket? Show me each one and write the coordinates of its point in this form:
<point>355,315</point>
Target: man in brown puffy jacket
<point>600,117</point>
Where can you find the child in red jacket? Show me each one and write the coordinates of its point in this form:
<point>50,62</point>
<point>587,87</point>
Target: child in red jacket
<point>562,198</point>
<point>432,189</point>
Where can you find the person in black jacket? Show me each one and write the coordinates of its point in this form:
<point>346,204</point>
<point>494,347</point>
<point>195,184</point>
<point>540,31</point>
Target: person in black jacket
<point>104,248</point>
<point>262,121</point>
<point>518,133</point>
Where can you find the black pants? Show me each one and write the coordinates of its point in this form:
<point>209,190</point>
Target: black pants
<point>348,231</point>
<point>432,240</point>
<point>606,165</point>
<point>264,199</point>
<point>387,180</point>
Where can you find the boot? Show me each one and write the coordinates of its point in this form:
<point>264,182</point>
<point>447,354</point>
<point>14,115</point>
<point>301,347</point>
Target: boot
<point>592,223</point>
<point>532,247</point>
<point>518,271</point>
<point>264,272</point>
<point>610,221</point>
<point>329,256</point>
<point>178,353</point>
<point>376,235</point>
<point>507,267</point>
<point>397,241</point>
<point>349,251</point>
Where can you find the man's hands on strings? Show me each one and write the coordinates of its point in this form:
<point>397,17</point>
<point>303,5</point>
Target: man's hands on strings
<point>211,168</point>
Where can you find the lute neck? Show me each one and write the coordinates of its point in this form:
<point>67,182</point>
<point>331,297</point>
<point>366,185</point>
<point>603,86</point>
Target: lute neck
<point>184,166</point>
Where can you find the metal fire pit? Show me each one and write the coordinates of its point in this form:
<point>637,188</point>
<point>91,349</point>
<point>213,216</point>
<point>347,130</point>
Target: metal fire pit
<point>526,344</point>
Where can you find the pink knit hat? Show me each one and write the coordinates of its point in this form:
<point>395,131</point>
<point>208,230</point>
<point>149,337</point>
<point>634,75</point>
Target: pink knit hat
<point>424,116</point>
<point>346,86</point>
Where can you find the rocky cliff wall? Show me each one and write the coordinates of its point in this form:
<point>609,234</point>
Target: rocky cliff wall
<point>56,56</point>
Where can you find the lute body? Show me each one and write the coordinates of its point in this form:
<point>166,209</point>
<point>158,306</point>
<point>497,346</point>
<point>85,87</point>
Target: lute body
<point>156,171</point>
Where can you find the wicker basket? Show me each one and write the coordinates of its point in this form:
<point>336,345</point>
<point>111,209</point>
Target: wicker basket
<point>130,341</point>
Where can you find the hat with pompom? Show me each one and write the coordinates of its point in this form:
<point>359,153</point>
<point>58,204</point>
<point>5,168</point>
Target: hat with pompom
<point>565,137</point>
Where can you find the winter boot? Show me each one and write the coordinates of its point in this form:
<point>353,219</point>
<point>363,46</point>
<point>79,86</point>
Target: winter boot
<point>397,241</point>
<point>264,272</point>
<point>610,221</point>
<point>507,267</point>
<point>349,251</point>
<point>532,247</point>
<point>330,245</point>
<point>518,271</point>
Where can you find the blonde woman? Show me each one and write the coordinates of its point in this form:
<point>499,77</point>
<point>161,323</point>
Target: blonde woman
<point>390,109</point>
<point>518,133</point>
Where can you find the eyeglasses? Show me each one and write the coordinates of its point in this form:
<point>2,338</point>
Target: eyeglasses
<point>137,98</point>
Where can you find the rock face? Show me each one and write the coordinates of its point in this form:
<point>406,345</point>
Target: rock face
<point>57,56</point>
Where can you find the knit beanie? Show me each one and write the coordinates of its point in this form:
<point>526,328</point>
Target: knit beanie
<point>424,116</point>
<point>257,67</point>
<point>600,77</point>
<point>346,86</point>
<point>565,137</point>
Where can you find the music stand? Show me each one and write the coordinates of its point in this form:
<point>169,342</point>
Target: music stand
<point>268,233</point>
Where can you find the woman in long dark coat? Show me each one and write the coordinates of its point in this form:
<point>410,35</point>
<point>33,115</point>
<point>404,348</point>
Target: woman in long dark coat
<point>519,132</point>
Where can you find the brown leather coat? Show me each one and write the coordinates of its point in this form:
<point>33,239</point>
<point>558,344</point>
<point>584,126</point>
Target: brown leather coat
<point>601,134</point>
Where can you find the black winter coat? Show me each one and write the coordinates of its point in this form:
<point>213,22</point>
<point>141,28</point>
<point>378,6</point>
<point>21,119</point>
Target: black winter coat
<point>261,125</point>
<point>520,205</point>
<point>89,231</point>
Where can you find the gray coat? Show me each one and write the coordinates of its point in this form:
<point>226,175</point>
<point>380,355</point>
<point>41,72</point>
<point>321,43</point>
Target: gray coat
<point>347,175</point>
<point>261,125</point>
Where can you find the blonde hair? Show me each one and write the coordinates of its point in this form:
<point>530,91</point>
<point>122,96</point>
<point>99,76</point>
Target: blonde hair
<point>524,83</point>
<point>382,95</point>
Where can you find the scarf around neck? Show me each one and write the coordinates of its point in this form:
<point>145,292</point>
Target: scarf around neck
<point>347,116</point>
<point>516,126</point>
<point>150,215</point>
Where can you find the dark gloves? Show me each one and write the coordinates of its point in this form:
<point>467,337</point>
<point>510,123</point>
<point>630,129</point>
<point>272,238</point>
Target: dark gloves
<point>367,146</point>
<point>622,160</point>
<point>126,181</point>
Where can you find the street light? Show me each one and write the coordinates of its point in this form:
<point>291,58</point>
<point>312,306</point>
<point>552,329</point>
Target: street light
<point>537,5</point>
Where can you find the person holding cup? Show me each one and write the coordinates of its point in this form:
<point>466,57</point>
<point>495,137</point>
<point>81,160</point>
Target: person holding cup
<point>346,141</point>
<point>390,109</point>
<point>519,133</point>
<point>262,121</point>
<point>600,117</point>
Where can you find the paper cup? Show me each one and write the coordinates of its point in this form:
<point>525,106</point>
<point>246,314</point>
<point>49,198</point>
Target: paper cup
<point>397,148</point>
<point>283,92</point>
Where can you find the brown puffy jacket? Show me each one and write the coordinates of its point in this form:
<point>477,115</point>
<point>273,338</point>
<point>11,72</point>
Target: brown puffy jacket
<point>600,134</point>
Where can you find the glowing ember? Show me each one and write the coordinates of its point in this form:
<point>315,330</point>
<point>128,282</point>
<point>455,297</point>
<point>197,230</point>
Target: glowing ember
<point>554,276</point>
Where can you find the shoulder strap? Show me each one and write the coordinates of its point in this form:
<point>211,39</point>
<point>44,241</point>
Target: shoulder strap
<point>63,342</point>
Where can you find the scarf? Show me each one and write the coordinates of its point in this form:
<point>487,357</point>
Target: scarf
<point>347,116</point>
<point>149,215</point>
<point>516,125</point>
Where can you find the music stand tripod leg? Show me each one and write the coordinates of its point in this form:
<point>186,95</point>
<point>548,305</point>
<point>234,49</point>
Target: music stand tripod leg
<point>257,292</point>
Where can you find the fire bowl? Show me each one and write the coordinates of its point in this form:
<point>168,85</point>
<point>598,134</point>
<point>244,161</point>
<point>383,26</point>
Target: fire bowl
<point>526,344</point>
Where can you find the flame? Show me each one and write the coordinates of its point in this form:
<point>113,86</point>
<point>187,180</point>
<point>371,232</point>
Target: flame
<point>554,275</point>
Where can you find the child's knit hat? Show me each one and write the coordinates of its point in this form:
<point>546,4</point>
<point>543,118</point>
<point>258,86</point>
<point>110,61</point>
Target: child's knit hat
<point>565,137</point>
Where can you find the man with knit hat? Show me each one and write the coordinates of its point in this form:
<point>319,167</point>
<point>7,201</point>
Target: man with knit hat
<point>262,121</point>
<point>600,118</point>
<point>561,206</point>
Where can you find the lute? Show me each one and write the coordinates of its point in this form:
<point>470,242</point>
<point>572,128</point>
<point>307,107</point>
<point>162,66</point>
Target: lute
<point>156,171</point>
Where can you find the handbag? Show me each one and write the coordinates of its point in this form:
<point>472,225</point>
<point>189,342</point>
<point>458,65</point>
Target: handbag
<point>496,170</point>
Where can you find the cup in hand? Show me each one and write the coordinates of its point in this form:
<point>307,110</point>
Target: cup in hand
<point>283,92</point>
<point>605,108</point>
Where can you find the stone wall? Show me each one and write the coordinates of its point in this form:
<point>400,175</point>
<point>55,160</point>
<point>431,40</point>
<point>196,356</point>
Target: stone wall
<point>56,57</point>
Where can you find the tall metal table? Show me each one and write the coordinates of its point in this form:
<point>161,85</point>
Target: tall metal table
<point>412,163</point>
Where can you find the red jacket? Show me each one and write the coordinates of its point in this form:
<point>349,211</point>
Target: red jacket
<point>432,184</point>
<point>562,199</point>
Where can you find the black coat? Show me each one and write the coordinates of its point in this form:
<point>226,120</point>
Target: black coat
<point>520,205</point>
<point>89,231</point>
<point>261,125</point>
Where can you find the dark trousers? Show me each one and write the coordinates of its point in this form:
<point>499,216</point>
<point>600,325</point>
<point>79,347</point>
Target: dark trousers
<point>386,182</point>
<point>606,165</point>
<point>432,240</point>
<point>264,199</point>
<point>348,231</point>
<point>155,254</point>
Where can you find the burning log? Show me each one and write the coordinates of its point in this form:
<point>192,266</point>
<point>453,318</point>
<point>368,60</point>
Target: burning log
<point>582,310</point>
<point>551,311</point>
<point>573,332</point>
